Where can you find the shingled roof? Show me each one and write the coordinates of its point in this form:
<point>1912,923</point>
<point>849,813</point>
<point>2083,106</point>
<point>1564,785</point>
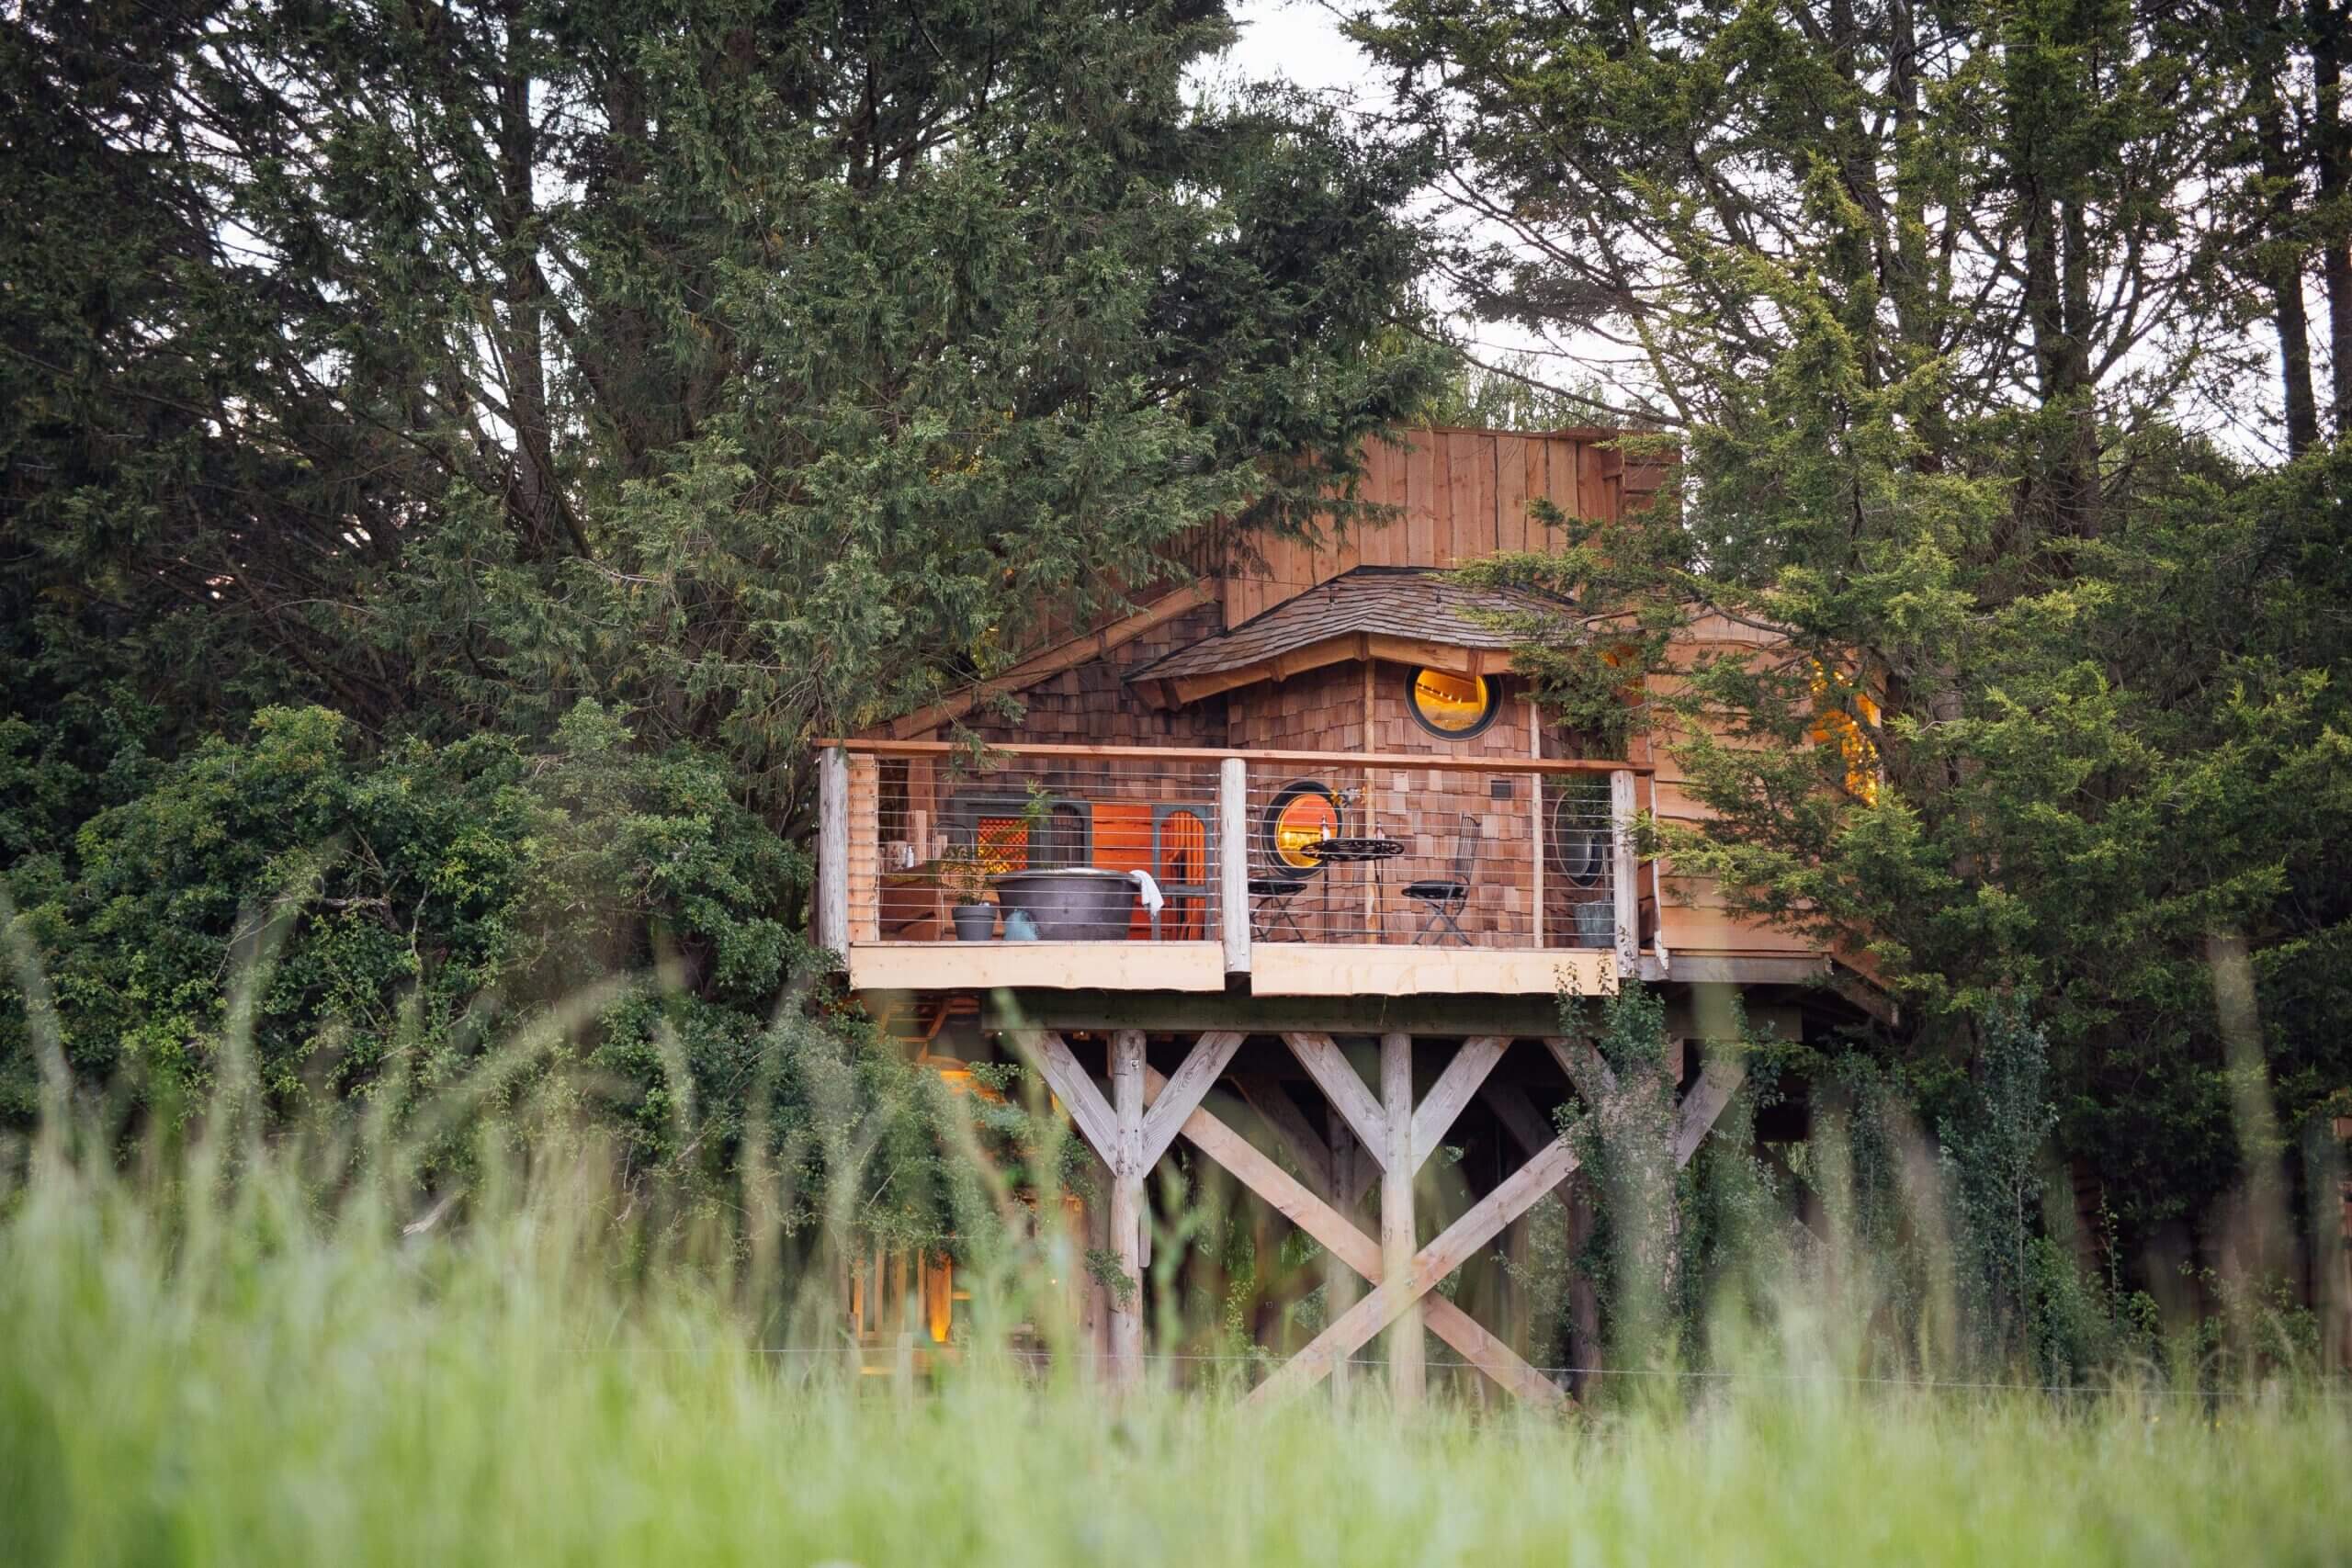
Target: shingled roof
<point>1406,612</point>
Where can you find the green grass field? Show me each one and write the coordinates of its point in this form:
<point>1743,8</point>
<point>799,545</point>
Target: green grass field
<point>247,1383</point>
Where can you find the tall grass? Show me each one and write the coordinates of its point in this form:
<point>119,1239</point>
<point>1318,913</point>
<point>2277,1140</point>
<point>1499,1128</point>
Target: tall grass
<point>226,1357</point>
<point>250,1348</point>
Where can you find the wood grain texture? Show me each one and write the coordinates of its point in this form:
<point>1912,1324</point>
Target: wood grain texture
<point>1201,1066</point>
<point>1047,1052</point>
<point>1396,1292</point>
<point>1347,1242</point>
<point>1447,1098</point>
<point>1344,1088</point>
<point>1699,1110</point>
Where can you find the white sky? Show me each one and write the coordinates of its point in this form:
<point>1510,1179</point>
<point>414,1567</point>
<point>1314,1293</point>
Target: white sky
<point>1298,39</point>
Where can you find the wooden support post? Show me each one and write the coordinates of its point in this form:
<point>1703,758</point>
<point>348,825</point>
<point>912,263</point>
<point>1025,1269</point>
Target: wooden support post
<point>1339,1288</point>
<point>1401,1289</point>
<point>1408,1374</point>
<point>1233,862</point>
<point>832,850</point>
<point>1126,1208</point>
<point>1348,1246</point>
<point>1625,873</point>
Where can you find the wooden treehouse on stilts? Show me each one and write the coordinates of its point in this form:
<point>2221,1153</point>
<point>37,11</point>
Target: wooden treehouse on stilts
<point>1286,865</point>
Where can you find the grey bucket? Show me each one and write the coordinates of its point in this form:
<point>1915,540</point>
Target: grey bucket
<point>1596,923</point>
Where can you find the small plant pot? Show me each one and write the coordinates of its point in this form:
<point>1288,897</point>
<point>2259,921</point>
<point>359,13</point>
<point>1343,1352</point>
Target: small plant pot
<point>974,923</point>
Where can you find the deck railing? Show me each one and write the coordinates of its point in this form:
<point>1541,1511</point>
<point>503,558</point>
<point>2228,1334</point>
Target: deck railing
<point>1241,848</point>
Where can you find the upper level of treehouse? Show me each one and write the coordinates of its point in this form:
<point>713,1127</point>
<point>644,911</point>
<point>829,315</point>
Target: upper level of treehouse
<point>1307,773</point>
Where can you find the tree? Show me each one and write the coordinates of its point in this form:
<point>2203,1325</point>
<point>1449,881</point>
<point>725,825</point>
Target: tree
<point>1936,304</point>
<point>746,371</point>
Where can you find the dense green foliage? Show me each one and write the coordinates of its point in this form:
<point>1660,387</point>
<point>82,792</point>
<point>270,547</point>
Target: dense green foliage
<point>1958,317</point>
<point>457,460</point>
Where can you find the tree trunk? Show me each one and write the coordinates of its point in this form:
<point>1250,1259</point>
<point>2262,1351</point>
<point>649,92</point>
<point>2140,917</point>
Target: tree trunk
<point>2334,157</point>
<point>2289,312</point>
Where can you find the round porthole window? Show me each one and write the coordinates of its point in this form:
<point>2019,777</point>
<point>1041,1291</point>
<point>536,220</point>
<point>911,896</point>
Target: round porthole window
<point>1454,707</point>
<point>1300,813</point>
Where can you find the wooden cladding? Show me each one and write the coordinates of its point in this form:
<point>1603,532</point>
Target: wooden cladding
<point>1461,494</point>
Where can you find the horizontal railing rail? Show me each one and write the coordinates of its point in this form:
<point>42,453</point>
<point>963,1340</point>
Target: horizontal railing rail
<point>928,841</point>
<point>1219,753</point>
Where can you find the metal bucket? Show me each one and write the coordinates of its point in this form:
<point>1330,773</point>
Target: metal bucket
<point>1074,904</point>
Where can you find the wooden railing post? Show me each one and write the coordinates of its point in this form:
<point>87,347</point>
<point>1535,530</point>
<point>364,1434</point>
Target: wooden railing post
<point>1233,862</point>
<point>1407,1357</point>
<point>833,850</point>
<point>1625,873</point>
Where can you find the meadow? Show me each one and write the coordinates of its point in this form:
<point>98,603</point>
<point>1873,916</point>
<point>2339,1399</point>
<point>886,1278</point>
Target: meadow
<point>230,1358</point>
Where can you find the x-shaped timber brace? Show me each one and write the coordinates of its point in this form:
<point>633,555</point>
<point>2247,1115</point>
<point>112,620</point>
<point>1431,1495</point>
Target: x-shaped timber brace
<point>1145,1114</point>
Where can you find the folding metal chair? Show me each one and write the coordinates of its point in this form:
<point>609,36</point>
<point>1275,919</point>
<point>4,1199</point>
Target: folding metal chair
<point>1446,897</point>
<point>1270,899</point>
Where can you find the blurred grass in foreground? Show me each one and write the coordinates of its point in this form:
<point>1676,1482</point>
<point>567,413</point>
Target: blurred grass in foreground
<point>244,1380</point>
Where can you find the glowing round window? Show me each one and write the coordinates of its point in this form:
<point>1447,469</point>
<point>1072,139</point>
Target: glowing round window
<point>1301,814</point>
<point>1454,706</point>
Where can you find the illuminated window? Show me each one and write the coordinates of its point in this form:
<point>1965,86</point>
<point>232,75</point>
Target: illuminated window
<point>1299,814</point>
<point>1833,725</point>
<point>1454,706</point>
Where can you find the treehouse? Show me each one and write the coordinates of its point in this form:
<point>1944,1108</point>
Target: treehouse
<point>1295,836</point>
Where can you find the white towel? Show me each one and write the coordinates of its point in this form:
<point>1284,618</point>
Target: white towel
<point>1148,890</point>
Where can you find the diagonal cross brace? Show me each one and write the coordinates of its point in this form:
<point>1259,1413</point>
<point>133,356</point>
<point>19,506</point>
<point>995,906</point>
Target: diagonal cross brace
<point>1390,1299</point>
<point>1434,1117</point>
<point>1337,1077</point>
<point>1341,1238</point>
<point>1201,1066</point>
<point>1099,1122</point>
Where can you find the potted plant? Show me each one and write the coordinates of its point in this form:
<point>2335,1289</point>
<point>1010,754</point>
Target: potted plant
<point>965,880</point>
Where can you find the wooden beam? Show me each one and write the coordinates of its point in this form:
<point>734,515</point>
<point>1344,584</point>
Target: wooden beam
<point>1448,1097</point>
<point>1529,1127</point>
<point>1084,648</point>
<point>1407,1371</point>
<point>1398,969</point>
<point>1718,1081</point>
<point>1202,1065</point>
<point>1582,1061</point>
<point>1050,1054</point>
<point>832,850</point>
<point>1398,1290</point>
<point>1186,1012</point>
<point>989,965</point>
<point>1126,1208</point>
<point>1291,1129</point>
<point>1341,1084</point>
<point>1427,761</point>
<point>1347,1243</point>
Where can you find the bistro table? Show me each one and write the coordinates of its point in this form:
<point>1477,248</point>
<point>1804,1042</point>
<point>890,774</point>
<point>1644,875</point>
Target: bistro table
<point>1371,853</point>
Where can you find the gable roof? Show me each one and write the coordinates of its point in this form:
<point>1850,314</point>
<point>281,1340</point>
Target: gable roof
<point>1410,615</point>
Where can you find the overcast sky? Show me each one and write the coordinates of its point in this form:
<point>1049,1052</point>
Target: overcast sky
<point>1297,39</point>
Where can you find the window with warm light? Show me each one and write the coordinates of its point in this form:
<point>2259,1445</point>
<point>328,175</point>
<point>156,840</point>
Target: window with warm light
<point>1453,707</point>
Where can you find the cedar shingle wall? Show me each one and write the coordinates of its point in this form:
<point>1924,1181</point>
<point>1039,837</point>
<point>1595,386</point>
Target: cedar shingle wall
<point>1092,704</point>
<point>1323,710</point>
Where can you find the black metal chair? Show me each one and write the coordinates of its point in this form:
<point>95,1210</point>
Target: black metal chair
<point>1270,899</point>
<point>1446,897</point>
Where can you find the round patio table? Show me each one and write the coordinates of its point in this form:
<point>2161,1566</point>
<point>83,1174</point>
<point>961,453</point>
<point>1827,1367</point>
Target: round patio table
<point>1371,853</point>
